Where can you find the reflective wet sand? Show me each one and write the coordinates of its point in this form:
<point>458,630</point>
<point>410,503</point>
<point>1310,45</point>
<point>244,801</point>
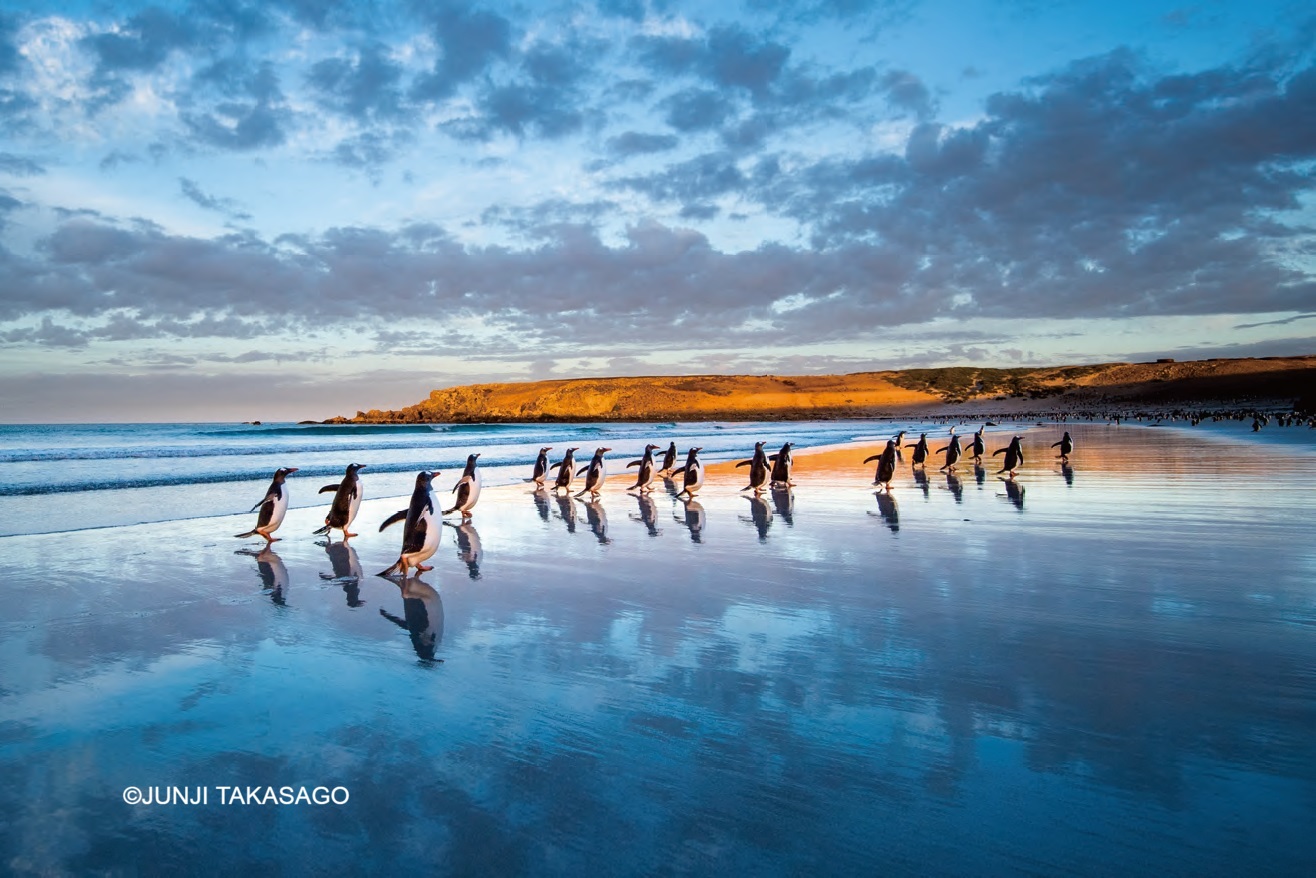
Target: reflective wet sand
<point>1104,669</point>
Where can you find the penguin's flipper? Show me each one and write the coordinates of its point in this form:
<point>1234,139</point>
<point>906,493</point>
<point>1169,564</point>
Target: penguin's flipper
<point>321,531</point>
<point>999,451</point>
<point>400,515</point>
<point>743,463</point>
<point>871,459</point>
<point>677,472</point>
<point>329,489</point>
<point>266,499</point>
<point>462,481</point>
<point>556,465</point>
<point>939,450</point>
<point>634,463</point>
<point>582,469</point>
<point>772,457</point>
<point>1056,444</point>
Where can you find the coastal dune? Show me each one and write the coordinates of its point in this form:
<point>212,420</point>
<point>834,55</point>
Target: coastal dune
<point>861,394</point>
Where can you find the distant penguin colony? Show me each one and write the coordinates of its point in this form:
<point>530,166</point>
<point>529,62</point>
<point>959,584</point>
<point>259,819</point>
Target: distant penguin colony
<point>422,523</point>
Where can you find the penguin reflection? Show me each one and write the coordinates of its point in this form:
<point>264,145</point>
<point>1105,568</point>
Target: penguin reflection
<point>422,616</point>
<point>760,516</point>
<point>1014,492</point>
<point>980,474</point>
<point>956,487</point>
<point>347,569</point>
<point>648,513</point>
<point>887,508</point>
<point>921,479</point>
<point>541,503</point>
<point>784,500</point>
<point>1068,472</point>
<point>694,519</point>
<point>598,520</point>
<point>469,550</point>
<point>566,508</point>
<point>273,574</point>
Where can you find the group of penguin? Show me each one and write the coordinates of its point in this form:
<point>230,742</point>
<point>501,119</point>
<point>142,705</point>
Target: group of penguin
<point>422,526</point>
<point>1014,454</point>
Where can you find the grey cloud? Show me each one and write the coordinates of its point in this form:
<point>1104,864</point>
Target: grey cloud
<point>115,158</point>
<point>19,166</point>
<point>143,42</point>
<point>630,143</point>
<point>906,91</point>
<point>521,110</point>
<point>1284,322</point>
<point>728,56</point>
<point>470,40</point>
<point>365,87</point>
<point>10,59</point>
<point>696,109</point>
<point>226,206</point>
<point>694,180</point>
<point>245,125</point>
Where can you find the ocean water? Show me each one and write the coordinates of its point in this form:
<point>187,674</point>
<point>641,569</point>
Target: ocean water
<point>1101,668</point>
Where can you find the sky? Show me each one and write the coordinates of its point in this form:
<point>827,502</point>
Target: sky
<point>288,209</point>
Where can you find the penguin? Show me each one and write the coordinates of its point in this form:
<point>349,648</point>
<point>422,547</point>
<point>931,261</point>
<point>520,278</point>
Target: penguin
<point>648,471</point>
<point>272,508</point>
<point>1014,456</point>
<point>977,446</point>
<point>669,460</point>
<point>952,452</point>
<point>900,443</point>
<point>758,470</point>
<point>597,471</point>
<point>541,466</point>
<point>467,489</point>
<point>421,531</point>
<point>886,465</point>
<point>920,449</point>
<point>781,465</point>
<point>1066,446</point>
<point>566,468</point>
<point>694,474</point>
<point>347,500</point>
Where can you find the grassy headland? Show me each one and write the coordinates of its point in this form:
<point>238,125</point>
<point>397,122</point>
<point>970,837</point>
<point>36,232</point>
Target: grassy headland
<point>863,394</point>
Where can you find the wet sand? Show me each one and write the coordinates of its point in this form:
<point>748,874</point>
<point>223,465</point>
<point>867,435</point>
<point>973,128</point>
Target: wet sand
<point>1100,670</point>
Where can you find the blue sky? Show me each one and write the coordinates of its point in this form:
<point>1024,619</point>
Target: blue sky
<point>302,208</point>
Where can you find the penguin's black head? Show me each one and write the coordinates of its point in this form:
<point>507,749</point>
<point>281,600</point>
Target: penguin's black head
<point>652,447</point>
<point>470,459</point>
<point>602,450</point>
<point>424,477</point>
<point>697,449</point>
<point>546,449</point>
<point>573,450</point>
<point>353,467</point>
<point>283,472</point>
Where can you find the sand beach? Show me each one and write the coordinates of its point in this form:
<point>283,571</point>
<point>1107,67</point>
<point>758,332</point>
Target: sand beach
<point>1086,672</point>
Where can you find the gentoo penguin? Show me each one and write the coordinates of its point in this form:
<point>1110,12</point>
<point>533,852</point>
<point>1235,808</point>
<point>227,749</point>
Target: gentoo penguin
<point>694,473</point>
<point>541,466</point>
<point>597,471</point>
<point>566,470</point>
<point>952,452</point>
<point>422,609</point>
<point>669,460</point>
<point>648,470</point>
<point>1066,446</point>
<point>467,489</point>
<point>886,465</point>
<point>758,470</point>
<point>347,500</point>
<point>977,446</point>
<point>900,443</point>
<point>421,532</point>
<point>920,449</point>
<point>272,508</point>
<point>1014,456</point>
<point>781,465</point>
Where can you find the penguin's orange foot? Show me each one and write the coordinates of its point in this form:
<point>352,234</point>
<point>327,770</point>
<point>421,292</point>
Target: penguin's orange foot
<point>423,568</point>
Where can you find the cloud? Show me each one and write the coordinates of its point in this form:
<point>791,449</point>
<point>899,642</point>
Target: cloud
<point>19,166</point>
<point>469,41</point>
<point>631,143</point>
<point>226,206</point>
<point>365,87</point>
<point>255,123</point>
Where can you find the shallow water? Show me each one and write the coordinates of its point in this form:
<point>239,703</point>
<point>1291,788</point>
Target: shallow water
<point>1110,670</point>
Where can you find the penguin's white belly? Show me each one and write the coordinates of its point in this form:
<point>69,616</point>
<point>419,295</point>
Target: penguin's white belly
<point>603,474</point>
<point>698,480</point>
<point>475,493</point>
<point>433,532</point>
<point>352,507</point>
<point>279,511</point>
